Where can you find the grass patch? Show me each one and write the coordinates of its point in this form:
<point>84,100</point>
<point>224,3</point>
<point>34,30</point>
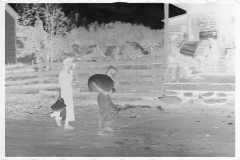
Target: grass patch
<point>22,91</point>
<point>20,78</point>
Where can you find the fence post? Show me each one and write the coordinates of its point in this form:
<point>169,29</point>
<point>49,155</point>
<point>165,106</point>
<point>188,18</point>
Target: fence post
<point>177,73</point>
<point>136,75</point>
<point>117,53</point>
<point>35,68</point>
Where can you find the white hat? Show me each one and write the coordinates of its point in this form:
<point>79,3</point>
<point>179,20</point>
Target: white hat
<point>68,62</point>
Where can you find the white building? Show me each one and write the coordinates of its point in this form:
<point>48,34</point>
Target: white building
<point>204,21</point>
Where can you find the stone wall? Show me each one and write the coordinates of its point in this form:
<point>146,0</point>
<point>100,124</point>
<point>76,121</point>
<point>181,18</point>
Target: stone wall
<point>206,97</point>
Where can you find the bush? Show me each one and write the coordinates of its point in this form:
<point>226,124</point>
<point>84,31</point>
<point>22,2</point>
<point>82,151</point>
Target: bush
<point>12,65</point>
<point>113,34</point>
<point>75,43</point>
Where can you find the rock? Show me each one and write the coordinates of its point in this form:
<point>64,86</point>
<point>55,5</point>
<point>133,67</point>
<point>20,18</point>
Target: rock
<point>213,101</point>
<point>222,95</point>
<point>147,148</point>
<point>119,143</point>
<point>160,108</point>
<point>188,94</point>
<point>208,94</point>
<point>172,100</point>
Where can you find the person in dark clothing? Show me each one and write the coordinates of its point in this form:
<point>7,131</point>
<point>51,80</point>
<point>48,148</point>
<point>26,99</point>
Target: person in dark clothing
<point>108,112</point>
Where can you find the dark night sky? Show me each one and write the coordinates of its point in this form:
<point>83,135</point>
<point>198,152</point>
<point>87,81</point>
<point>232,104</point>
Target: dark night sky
<point>148,14</point>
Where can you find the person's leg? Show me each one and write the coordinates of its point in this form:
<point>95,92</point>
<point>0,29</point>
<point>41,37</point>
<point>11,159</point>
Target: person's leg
<point>68,98</point>
<point>186,71</point>
<point>185,64</point>
<point>198,62</point>
<point>102,103</point>
<point>101,126</point>
<point>56,114</point>
<point>58,122</point>
<point>67,126</point>
<point>198,66</point>
<point>108,126</point>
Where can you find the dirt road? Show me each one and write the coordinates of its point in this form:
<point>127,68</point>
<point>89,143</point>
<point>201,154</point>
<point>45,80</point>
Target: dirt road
<point>189,131</point>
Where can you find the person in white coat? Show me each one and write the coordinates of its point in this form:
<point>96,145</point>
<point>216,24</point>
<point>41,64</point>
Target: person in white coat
<point>65,92</point>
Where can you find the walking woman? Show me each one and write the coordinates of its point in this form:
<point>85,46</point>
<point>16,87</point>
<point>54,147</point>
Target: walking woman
<point>65,92</point>
<point>108,112</point>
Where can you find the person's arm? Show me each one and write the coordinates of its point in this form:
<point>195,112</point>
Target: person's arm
<point>99,89</point>
<point>60,83</point>
<point>59,90</point>
<point>74,65</point>
<point>75,81</point>
<point>113,90</point>
<point>113,106</point>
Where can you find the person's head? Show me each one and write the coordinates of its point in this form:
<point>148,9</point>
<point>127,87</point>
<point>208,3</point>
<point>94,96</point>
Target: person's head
<point>68,63</point>
<point>173,38</point>
<point>111,71</point>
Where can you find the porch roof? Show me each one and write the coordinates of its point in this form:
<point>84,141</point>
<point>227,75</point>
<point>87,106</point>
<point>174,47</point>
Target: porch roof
<point>188,6</point>
<point>11,11</point>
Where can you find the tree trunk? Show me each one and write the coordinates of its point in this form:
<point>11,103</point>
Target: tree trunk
<point>51,60</point>
<point>47,60</point>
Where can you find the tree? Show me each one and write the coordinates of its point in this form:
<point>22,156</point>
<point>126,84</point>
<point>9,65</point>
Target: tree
<point>48,19</point>
<point>31,41</point>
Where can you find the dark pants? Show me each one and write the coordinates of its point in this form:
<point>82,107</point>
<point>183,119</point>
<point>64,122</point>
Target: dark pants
<point>108,112</point>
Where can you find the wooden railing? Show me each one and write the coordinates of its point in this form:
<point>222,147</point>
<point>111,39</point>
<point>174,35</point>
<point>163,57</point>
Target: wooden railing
<point>135,78</point>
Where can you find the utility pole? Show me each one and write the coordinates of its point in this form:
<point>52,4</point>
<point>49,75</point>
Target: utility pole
<point>166,31</point>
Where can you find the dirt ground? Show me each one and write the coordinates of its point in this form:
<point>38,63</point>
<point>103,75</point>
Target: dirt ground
<point>171,131</point>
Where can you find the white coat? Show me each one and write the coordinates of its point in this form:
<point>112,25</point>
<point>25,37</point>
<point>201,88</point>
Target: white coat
<point>64,82</point>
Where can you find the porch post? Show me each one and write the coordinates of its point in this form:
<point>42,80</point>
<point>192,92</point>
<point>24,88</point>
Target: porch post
<point>189,24</point>
<point>166,32</point>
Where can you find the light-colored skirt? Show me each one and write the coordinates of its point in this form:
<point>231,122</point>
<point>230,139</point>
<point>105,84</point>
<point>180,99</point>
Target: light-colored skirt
<point>67,95</point>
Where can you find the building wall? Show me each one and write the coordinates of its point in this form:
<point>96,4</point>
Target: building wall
<point>223,17</point>
<point>10,39</point>
<point>205,19</point>
<point>227,25</point>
